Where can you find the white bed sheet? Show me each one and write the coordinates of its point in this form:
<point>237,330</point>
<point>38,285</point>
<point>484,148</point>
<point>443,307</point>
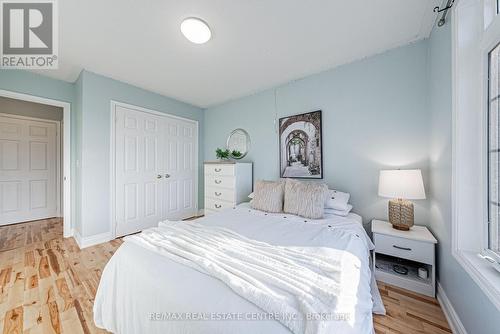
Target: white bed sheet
<point>141,291</point>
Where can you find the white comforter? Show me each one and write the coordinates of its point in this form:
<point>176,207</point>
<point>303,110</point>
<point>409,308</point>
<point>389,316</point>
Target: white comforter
<point>145,290</point>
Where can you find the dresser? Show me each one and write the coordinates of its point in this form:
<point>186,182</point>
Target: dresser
<point>412,250</point>
<point>226,184</point>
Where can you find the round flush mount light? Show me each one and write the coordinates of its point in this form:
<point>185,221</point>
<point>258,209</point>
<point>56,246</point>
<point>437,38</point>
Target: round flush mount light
<point>196,30</point>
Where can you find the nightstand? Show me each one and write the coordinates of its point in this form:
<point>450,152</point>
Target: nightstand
<point>409,250</point>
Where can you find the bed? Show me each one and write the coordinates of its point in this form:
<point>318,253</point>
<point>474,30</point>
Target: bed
<point>143,291</point>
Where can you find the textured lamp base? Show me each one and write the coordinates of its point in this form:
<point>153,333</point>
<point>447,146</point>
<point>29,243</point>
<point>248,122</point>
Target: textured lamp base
<point>401,214</point>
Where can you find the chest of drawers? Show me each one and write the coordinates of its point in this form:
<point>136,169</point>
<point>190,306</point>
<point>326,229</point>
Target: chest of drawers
<point>226,184</point>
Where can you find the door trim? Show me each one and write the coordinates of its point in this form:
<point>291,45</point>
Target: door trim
<point>66,142</point>
<point>112,155</point>
<point>59,202</point>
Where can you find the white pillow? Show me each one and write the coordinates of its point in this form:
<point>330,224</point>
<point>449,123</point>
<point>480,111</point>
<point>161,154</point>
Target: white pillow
<point>251,195</point>
<point>337,200</point>
<point>342,213</point>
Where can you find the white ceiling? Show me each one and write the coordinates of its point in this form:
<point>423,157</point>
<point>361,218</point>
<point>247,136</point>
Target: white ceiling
<point>255,44</point>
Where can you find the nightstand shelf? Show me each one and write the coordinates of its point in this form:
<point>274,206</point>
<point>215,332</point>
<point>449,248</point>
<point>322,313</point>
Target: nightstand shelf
<point>411,281</point>
<point>411,249</point>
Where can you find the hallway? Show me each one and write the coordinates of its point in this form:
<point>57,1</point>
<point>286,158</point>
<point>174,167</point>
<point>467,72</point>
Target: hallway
<point>297,169</point>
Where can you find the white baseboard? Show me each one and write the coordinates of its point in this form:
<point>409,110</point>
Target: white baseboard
<point>453,320</point>
<point>84,242</point>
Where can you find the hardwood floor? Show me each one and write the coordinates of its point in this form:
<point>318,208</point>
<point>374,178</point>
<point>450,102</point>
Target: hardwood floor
<point>408,312</point>
<point>47,285</point>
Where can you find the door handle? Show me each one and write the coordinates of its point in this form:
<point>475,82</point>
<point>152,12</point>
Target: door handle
<point>158,176</point>
<point>217,194</point>
<point>167,176</point>
<point>218,181</point>
<point>217,170</point>
<point>402,248</point>
<point>218,206</point>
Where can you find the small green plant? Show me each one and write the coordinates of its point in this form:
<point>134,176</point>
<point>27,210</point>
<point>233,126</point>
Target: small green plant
<point>236,154</point>
<point>222,154</point>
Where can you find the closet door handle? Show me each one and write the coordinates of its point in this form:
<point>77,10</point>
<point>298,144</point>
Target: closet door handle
<point>218,181</point>
<point>218,206</point>
<point>158,176</point>
<point>217,194</point>
<point>167,176</point>
<point>402,248</point>
<point>217,170</point>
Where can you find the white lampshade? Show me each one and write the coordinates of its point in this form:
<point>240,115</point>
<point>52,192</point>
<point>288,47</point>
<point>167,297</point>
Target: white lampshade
<point>405,184</point>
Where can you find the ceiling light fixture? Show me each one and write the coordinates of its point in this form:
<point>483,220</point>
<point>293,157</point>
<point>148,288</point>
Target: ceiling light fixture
<point>196,30</point>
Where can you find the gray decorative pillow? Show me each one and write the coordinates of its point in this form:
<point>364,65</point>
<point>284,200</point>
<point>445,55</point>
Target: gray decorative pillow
<point>268,196</point>
<point>306,199</point>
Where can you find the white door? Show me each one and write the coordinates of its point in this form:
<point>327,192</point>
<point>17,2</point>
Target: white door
<point>151,183</point>
<point>138,168</point>
<point>27,170</point>
<point>179,159</point>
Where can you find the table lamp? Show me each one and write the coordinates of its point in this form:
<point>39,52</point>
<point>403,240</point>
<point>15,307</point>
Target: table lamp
<point>401,185</point>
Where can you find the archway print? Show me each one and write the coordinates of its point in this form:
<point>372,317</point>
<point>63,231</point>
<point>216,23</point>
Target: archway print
<point>301,146</point>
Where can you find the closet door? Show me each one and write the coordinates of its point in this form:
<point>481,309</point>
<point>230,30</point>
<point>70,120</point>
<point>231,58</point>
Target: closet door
<point>181,139</point>
<point>155,169</point>
<point>139,170</point>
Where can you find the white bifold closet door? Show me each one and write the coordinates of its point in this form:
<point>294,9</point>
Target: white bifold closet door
<point>155,169</point>
<point>27,170</point>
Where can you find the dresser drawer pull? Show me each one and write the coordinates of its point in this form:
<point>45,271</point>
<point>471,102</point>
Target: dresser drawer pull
<point>217,170</point>
<point>218,181</point>
<point>217,194</point>
<point>218,206</point>
<point>402,248</point>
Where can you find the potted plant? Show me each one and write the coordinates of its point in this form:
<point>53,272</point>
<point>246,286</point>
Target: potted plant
<point>222,154</point>
<point>236,154</point>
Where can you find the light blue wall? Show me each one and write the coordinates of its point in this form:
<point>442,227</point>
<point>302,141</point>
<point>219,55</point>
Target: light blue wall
<point>97,92</point>
<point>37,85</point>
<point>475,310</point>
<point>375,116</point>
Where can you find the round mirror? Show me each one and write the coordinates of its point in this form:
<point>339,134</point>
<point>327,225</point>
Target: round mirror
<point>238,143</point>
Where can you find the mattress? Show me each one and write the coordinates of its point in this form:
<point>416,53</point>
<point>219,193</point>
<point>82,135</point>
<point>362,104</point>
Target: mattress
<point>143,292</point>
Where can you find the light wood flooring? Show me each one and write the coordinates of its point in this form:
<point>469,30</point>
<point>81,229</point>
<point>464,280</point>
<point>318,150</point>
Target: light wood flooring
<point>47,285</point>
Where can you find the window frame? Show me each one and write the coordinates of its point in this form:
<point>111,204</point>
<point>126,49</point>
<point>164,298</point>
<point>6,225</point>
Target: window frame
<point>491,40</point>
<point>475,32</point>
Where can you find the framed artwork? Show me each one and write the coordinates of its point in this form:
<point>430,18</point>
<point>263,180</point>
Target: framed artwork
<point>301,151</point>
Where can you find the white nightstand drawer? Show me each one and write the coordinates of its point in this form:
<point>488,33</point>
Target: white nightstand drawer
<point>222,169</point>
<point>217,205</point>
<point>404,248</point>
<point>220,181</point>
<point>219,193</point>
